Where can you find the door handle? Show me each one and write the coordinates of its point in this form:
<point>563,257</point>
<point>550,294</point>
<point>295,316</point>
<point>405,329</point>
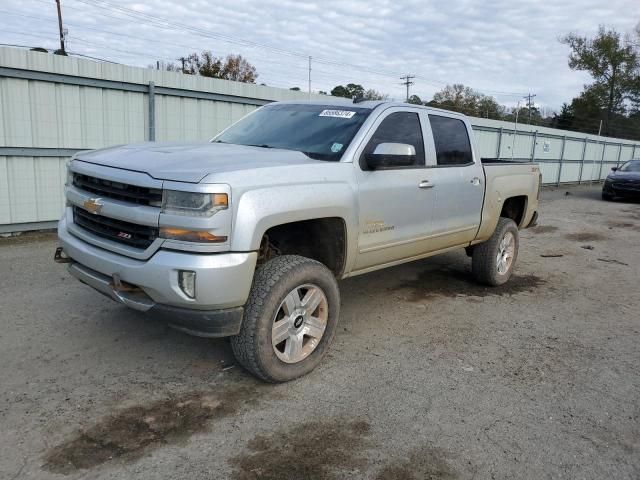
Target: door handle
<point>425,184</point>
<point>475,181</point>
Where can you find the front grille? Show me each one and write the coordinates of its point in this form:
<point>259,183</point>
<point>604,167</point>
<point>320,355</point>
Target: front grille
<point>633,185</point>
<point>117,190</point>
<point>139,236</point>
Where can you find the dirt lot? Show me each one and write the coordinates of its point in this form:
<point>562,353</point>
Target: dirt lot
<point>430,376</point>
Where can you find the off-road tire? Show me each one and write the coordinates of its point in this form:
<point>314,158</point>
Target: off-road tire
<point>485,255</point>
<point>272,281</point>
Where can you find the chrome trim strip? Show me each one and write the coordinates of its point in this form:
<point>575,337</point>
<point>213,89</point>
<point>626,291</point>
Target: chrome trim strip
<point>117,209</point>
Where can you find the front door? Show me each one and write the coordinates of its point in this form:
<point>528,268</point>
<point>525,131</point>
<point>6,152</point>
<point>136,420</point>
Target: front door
<point>395,204</point>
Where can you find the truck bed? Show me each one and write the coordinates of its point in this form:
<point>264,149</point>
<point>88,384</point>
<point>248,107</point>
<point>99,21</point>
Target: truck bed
<point>506,179</point>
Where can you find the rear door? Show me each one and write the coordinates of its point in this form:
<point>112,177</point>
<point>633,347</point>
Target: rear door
<point>394,210</point>
<point>458,181</point>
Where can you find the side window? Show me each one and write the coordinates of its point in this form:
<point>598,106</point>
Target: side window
<point>452,141</point>
<point>399,127</point>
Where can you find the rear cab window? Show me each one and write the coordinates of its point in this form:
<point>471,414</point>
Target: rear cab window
<point>451,140</point>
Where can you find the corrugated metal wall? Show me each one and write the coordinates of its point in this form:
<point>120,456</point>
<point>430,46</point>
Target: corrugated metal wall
<point>52,106</point>
<point>564,156</point>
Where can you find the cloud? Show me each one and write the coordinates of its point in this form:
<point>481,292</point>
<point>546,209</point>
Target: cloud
<point>493,46</point>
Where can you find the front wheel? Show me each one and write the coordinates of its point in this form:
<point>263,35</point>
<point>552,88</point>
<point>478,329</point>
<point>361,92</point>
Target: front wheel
<point>607,196</point>
<point>493,260</point>
<point>289,320</point>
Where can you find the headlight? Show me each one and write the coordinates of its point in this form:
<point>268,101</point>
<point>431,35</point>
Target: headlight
<point>69,181</point>
<point>193,204</point>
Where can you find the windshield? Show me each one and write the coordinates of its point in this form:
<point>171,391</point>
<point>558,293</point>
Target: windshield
<point>322,132</point>
<point>632,166</point>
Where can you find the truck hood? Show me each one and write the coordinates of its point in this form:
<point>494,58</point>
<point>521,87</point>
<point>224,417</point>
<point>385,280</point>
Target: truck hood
<point>191,162</point>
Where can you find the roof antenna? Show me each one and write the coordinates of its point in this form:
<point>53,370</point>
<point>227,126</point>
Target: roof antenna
<point>359,99</point>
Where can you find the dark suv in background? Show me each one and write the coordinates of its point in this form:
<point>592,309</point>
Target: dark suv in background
<point>623,182</point>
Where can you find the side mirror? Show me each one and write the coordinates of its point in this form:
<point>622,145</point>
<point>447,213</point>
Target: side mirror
<point>613,169</point>
<point>391,155</point>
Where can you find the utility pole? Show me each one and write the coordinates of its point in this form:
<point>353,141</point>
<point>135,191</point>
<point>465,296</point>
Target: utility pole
<point>62,49</point>
<point>515,131</point>
<point>407,81</point>
<point>183,60</point>
<point>309,77</point>
<point>529,99</point>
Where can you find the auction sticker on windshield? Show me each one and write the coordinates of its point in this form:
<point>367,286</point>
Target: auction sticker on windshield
<point>337,113</point>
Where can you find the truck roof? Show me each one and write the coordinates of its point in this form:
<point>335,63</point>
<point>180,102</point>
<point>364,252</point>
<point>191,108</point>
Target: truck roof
<point>369,104</point>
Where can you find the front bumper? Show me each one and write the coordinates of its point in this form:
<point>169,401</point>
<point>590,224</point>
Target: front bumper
<point>621,189</point>
<point>223,281</point>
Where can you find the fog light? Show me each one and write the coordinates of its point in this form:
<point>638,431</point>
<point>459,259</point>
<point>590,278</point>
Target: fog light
<point>187,282</point>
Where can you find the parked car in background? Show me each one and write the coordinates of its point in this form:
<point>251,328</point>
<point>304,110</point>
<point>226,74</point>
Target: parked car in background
<point>623,182</point>
<point>247,235</point>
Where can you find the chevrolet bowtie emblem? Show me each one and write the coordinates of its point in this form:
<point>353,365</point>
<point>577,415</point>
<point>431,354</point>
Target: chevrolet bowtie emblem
<point>93,205</point>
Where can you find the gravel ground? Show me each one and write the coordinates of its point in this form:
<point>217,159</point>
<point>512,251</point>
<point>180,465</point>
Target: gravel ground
<point>430,375</point>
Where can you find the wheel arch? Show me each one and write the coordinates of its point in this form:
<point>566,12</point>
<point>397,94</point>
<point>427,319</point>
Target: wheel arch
<point>330,205</point>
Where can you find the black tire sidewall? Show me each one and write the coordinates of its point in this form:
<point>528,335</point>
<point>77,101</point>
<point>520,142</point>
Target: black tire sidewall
<point>306,272</point>
<point>505,225</point>
<point>484,261</point>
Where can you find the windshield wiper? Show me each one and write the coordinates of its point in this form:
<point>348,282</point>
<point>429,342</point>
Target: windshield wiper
<point>264,145</point>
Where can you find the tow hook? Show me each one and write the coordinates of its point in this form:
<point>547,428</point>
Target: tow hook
<point>117,285</point>
<point>60,256</point>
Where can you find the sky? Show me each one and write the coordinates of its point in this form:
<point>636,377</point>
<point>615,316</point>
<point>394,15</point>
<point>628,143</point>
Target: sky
<point>502,48</point>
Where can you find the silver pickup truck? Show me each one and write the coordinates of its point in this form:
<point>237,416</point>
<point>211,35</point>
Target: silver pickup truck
<point>247,235</point>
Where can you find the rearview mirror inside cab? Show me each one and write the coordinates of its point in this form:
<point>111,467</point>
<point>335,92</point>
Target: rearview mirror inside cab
<point>389,155</point>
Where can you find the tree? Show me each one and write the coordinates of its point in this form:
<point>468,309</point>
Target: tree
<point>465,100</point>
<point>355,90</point>
<point>295,89</point>
<point>374,95</point>
<point>351,90</point>
<point>564,120</point>
<point>415,100</point>
<point>238,69</point>
<point>458,98</point>
<point>233,67</point>
<point>488,107</point>
<point>614,65</point>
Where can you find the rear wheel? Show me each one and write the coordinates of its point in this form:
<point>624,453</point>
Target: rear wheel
<point>493,260</point>
<point>290,318</point>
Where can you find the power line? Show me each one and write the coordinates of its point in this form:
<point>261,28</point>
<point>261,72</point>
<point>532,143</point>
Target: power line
<point>288,66</point>
<point>159,21</point>
<point>167,24</point>
<point>163,23</point>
